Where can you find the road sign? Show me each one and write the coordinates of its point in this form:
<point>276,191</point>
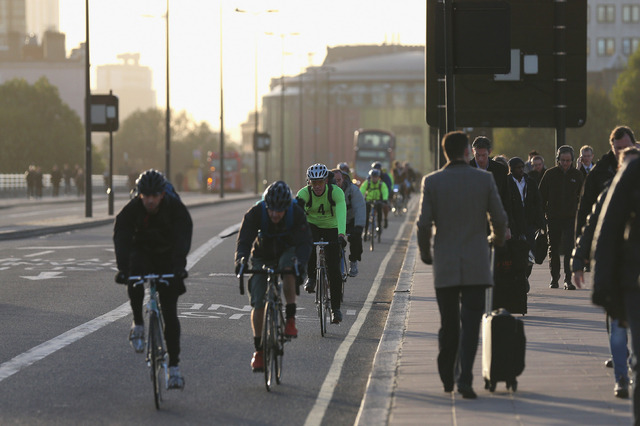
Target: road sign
<point>548,52</point>
<point>104,113</point>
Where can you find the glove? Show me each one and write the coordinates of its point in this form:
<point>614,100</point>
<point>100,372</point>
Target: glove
<point>342,241</point>
<point>426,258</point>
<point>180,273</point>
<point>239,265</point>
<point>121,278</point>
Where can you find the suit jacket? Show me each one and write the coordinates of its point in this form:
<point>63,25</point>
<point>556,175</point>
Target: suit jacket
<point>456,200</point>
<point>528,216</point>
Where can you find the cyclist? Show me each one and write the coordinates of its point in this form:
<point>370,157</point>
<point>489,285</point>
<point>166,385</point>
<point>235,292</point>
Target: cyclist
<point>152,234</point>
<point>274,232</point>
<point>388,181</point>
<point>356,217</point>
<point>401,178</point>
<point>326,212</point>
<point>373,189</point>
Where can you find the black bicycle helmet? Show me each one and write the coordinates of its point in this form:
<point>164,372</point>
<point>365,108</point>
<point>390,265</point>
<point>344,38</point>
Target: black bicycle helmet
<point>317,171</point>
<point>151,182</point>
<point>374,172</point>
<point>376,165</point>
<point>278,196</point>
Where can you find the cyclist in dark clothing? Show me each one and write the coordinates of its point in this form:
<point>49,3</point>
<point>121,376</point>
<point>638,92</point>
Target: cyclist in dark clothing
<point>152,234</point>
<point>274,232</point>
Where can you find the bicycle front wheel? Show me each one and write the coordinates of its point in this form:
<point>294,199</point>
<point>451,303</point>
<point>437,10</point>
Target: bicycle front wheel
<point>372,232</point>
<point>326,300</point>
<point>155,357</point>
<point>269,345</point>
<point>279,341</point>
<point>320,284</point>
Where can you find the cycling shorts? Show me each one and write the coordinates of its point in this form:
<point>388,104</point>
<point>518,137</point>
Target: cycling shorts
<point>258,282</point>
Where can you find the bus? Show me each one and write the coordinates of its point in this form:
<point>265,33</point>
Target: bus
<point>371,145</point>
<point>232,169</point>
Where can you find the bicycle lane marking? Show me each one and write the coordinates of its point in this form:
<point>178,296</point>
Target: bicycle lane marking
<point>35,354</point>
<point>315,416</point>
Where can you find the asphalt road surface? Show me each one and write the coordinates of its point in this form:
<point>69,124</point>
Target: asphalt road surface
<point>65,356</point>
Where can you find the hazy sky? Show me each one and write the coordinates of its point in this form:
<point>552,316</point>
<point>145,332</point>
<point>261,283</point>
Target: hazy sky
<point>121,26</point>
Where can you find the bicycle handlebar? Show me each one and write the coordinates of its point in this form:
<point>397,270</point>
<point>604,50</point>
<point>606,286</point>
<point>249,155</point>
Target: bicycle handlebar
<point>140,279</point>
<point>265,270</point>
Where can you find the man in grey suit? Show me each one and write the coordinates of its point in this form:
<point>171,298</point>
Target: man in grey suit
<point>456,200</point>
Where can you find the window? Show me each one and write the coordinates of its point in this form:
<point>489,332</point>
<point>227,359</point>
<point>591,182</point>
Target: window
<point>630,45</point>
<point>605,46</point>
<point>630,13</point>
<point>606,13</point>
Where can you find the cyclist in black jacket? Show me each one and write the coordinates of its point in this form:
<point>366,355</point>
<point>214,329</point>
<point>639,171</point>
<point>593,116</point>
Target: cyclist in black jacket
<point>274,232</point>
<point>152,234</point>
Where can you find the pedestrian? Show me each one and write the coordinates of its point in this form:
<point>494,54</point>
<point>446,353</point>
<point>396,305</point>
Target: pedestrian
<point>79,180</point>
<point>620,138</point>
<point>455,200</point>
<point>538,169</point>
<point>560,191</point>
<point>30,177</point>
<point>585,160</point>
<point>38,183</point>
<point>526,205</point>
<point>528,166</point>
<point>481,152</point>
<point>615,262</point>
<point>67,174</point>
<point>56,178</point>
<point>356,217</point>
<point>582,255</point>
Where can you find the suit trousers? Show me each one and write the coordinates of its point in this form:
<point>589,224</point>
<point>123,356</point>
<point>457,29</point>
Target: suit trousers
<point>561,241</point>
<point>461,310</point>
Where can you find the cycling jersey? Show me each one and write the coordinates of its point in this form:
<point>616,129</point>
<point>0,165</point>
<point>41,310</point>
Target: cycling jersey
<point>320,212</point>
<point>374,191</point>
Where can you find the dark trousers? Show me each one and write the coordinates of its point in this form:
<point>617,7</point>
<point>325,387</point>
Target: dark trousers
<point>169,307</point>
<point>332,257</point>
<point>355,243</point>
<point>561,240</point>
<point>632,305</point>
<point>378,207</point>
<point>461,311</point>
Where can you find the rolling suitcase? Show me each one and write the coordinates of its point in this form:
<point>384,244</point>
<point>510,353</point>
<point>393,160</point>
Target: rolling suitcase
<point>503,345</point>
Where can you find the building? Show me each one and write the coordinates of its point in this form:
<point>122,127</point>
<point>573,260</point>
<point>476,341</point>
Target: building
<point>42,16</point>
<point>613,34</point>
<point>13,28</point>
<point>314,118</point>
<point>130,82</point>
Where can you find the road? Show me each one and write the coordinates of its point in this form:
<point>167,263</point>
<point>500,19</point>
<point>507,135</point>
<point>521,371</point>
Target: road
<point>65,358</point>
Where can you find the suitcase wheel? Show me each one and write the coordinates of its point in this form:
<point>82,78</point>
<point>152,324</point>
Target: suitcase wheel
<point>513,385</point>
<point>486,384</point>
<point>492,386</point>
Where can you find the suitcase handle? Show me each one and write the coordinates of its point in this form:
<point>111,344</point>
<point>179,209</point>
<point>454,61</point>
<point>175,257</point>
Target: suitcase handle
<point>488,293</point>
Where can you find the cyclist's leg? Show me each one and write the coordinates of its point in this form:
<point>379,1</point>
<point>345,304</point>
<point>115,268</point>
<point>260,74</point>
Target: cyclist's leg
<point>380,209</point>
<point>332,253</point>
<point>355,242</point>
<point>136,297</point>
<point>257,289</point>
<point>169,305</point>
<point>366,226</point>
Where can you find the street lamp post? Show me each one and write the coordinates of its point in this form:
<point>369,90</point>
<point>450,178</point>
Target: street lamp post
<point>168,112</point>
<point>256,116</point>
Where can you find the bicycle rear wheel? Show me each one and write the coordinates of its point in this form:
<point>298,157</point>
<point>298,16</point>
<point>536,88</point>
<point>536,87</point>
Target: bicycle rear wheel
<point>345,272</point>
<point>326,300</point>
<point>279,341</point>
<point>372,232</point>
<point>155,356</point>
<point>268,345</point>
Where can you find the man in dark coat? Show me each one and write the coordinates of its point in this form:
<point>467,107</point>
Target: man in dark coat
<point>481,160</point>
<point>621,137</point>
<point>560,191</point>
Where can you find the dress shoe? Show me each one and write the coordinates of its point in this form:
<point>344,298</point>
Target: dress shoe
<point>609,363</point>
<point>467,392</point>
<point>553,284</point>
<point>448,387</point>
<point>569,286</point>
<point>621,389</point>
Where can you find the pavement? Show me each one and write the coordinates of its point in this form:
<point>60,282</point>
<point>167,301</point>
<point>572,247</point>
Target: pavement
<point>564,382</point>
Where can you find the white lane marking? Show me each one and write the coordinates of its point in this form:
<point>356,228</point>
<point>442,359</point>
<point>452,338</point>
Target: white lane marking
<point>44,275</point>
<point>331,381</point>
<point>39,253</point>
<point>39,352</point>
<point>64,247</point>
<point>351,311</point>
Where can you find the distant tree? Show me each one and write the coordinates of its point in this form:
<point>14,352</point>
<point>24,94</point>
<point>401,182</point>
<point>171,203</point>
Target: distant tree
<point>626,94</point>
<point>601,118</point>
<point>37,127</point>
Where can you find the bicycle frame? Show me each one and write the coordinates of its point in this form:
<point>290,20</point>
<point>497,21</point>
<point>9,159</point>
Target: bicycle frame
<point>323,293</point>
<point>156,356</point>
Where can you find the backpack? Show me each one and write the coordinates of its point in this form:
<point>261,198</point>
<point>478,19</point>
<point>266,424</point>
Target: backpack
<point>264,223</point>
<point>332,203</point>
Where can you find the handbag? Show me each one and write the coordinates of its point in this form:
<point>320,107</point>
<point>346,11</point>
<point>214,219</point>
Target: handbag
<point>541,246</point>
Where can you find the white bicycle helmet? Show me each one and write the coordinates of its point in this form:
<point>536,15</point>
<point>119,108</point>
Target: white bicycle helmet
<point>317,171</point>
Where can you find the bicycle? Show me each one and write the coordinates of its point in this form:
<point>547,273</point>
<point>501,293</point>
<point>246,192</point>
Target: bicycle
<point>273,337</point>
<point>323,292</point>
<point>157,356</point>
<point>398,201</point>
<point>373,227</point>
<point>344,269</point>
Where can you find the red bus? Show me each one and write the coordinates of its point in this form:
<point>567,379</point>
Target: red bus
<point>232,167</point>
<point>371,145</point>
